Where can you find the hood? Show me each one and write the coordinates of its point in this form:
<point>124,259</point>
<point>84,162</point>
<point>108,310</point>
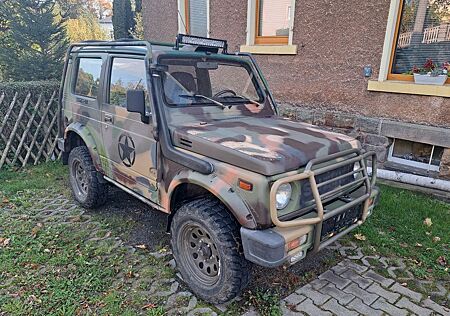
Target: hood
<point>268,146</point>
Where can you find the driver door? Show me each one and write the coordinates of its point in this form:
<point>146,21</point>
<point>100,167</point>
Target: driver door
<point>130,149</point>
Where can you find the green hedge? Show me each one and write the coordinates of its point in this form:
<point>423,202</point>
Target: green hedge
<point>23,88</point>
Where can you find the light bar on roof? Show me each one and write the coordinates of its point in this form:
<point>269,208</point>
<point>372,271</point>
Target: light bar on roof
<point>201,41</point>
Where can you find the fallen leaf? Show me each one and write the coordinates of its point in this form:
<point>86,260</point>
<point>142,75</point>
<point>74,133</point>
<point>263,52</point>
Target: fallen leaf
<point>5,241</point>
<point>436,239</point>
<point>46,250</point>
<point>141,246</point>
<point>428,233</point>
<point>442,261</point>
<point>403,245</point>
<point>418,245</point>
<point>428,222</point>
<point>148,306</point>
<point>360,237</point>
<point>5,201</point>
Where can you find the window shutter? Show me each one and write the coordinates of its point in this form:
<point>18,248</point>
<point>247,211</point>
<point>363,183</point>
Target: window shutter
<point>198,17</point>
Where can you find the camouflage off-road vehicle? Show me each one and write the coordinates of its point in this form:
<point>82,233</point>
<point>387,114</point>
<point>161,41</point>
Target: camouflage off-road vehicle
<point>193,131</point>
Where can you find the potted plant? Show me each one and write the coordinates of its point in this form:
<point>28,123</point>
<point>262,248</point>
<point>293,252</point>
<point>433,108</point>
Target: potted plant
<point>431,74</point>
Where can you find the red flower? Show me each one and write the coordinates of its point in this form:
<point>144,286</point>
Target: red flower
<point>429,65</point>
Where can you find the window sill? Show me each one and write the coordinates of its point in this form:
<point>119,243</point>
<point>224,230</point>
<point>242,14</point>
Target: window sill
<point>409,88</point>
<point>270,49</point>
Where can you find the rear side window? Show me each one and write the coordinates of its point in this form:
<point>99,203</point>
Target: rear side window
<point>88,77</point>
<point>126,74</point>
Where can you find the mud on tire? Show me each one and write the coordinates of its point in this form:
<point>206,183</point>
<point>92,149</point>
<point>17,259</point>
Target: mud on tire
<point>208,252</point>
<point>87,190</point>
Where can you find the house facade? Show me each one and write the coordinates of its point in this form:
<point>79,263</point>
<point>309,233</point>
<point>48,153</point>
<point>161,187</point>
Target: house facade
<point>343,65</point>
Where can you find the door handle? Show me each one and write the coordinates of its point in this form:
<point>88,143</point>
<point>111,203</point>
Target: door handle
<point>109,118</point>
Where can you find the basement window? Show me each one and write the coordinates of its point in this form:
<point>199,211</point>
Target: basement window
<point>418,155</point>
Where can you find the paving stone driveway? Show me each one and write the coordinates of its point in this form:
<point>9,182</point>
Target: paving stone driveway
<point>349,288</point>
<point>352,289</point>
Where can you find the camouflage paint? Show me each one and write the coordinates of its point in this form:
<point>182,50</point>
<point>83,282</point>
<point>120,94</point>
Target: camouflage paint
<point>246,141</point>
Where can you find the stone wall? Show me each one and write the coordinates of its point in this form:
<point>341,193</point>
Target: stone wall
<point>376,134</point>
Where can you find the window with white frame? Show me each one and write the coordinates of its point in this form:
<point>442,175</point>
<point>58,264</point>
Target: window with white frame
<point>194,17</point>
<point>416,154</point>
<point>270,22</point>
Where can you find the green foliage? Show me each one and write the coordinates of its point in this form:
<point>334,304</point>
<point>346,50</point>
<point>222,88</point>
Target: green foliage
<point>23,88</point>
<point>138,31</point>
<point>85,27</point>
<point>123,19</point>
<point>267,303</point>
<point>34,42</point>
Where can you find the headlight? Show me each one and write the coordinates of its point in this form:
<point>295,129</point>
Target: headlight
<point>356,166</point>
<point>283,195</point>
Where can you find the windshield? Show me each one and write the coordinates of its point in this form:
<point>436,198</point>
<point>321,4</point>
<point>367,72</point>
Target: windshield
<point>208,81</point>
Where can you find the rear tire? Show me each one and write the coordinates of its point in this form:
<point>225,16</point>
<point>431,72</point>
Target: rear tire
<point>207,248</point>
<point>87,190</point>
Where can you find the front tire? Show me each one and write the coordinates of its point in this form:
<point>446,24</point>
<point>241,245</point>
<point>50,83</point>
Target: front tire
<point>207,248</point>
<point>87,190</point>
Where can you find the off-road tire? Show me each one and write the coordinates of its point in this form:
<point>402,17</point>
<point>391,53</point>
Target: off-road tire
<point>223,231</point>
<point>92,193</point>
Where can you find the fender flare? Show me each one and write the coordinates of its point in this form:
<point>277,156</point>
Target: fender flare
<point>220,189</point>
<point>83,132</point>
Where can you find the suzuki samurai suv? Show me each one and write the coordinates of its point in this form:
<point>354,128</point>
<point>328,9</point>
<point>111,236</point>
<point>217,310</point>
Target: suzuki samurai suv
<point>194,131</point>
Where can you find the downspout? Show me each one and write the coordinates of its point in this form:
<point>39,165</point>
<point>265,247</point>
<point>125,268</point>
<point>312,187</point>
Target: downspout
<point>412,179</point>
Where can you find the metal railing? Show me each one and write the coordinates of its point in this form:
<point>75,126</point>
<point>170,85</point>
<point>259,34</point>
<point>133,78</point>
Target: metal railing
<point>310,174</point>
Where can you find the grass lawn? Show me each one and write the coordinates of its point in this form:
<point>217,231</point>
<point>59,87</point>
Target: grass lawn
<point>53,268</point>
<point>411,226</point>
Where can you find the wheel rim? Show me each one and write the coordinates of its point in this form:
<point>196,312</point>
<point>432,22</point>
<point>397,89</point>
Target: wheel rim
<point>80,176</point>
<point>200,254</point>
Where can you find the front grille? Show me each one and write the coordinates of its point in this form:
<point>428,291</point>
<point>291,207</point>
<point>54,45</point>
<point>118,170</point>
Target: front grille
<point>306,195</point>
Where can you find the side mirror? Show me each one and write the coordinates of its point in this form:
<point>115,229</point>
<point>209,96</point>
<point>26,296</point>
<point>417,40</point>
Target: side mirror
<point>136,103</point>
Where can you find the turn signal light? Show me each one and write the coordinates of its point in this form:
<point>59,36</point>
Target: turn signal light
<point>294,244</point>
<point>244,185</point>
<point>297,242</point>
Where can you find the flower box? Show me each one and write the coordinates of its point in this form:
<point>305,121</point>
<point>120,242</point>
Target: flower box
<point>429,79</point>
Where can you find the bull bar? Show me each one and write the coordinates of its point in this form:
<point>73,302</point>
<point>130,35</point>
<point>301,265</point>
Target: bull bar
<point>310,174</point>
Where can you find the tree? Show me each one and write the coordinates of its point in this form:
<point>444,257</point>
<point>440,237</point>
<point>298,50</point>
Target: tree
<point>123,19</point>
<point>85,27</point>
<point>138,31</point>
<point>35,41</point>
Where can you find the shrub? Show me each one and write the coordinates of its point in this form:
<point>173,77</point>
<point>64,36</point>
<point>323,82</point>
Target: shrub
<point>46,88</point>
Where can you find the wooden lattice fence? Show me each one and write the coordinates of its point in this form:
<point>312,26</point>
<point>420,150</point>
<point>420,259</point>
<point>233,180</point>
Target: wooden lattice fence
<point>28,127</point>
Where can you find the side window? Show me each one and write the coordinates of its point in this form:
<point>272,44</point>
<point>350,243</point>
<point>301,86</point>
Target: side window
<point>126,74</point>
<point>88,77</point>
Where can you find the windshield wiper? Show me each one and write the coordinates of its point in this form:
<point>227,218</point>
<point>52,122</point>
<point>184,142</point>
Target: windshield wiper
<point>200,96</point>
<point>243,98</point>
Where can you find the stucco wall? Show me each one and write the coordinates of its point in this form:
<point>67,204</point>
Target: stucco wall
<point>335,39</point>
<point>160,19</point>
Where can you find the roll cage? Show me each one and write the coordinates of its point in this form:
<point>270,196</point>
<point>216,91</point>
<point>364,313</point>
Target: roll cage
<point>160,128</point>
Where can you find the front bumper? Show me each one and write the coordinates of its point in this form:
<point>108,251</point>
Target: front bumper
<point>330,220</point>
